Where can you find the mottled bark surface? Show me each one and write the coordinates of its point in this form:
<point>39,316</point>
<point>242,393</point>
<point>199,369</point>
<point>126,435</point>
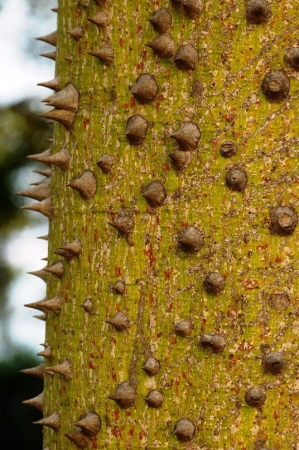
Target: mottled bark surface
<point>232,322</point>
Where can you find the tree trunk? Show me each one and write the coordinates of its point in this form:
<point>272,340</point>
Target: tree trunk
<point>172,246</point>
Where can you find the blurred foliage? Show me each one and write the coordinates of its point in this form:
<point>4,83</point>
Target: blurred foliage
<point>16,429</point>
<point>22,133</point>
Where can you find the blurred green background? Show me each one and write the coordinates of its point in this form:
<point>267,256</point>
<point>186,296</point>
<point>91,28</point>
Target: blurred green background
<point>22,133</point>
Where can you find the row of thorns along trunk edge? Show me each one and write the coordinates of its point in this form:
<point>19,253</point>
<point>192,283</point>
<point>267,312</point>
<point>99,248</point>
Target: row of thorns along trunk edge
<point>275,88</point>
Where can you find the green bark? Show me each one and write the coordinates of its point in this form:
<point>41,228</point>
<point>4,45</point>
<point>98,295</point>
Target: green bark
<point>164,284</point>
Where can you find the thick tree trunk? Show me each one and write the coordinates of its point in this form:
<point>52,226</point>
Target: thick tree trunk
<point>187,332</point>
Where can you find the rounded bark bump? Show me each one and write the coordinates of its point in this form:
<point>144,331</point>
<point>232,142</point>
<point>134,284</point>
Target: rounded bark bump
<point>184,430</point>
<point>228,149</point>
<point>214,283</point>
<point>192,8</point>
<point>183,328</point>
<point>273,362</point>
<point>236,179</point>
<point>255,397</point>
<point>257,11</point>
<point>276,86</point>
<point>279,300</point>
<point>213,342</point>
<point>119,287</point>
<point>154,399</point>
<point>197,89</point>
<point>190,240</point>
<point>283,221</point>
<point>151,366</point>
<point>291,58</point>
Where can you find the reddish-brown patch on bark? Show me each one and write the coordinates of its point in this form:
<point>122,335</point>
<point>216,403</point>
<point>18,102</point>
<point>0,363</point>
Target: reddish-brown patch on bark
<point>167,273</point>
<point>95,236</point>
<point>91,365</point>
<point>116,414</point>
<point>141,435</point>
<point>149,252</point>
<point>121,42</point>
<point>116,432</point>
<point>85,124</point>
<point>117,271</point>
<point>262,247</point>
<point>151,299</point>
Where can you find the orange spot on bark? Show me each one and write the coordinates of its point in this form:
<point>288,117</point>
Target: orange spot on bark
<point>166,167</point>
<point>278,259</point>
<point>131,432</point>
<point>121,42</point>
<point>117,271</point>
<point>132,102</point>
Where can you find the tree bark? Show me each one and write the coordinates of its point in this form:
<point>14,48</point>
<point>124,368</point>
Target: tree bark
<point>202,280</point>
